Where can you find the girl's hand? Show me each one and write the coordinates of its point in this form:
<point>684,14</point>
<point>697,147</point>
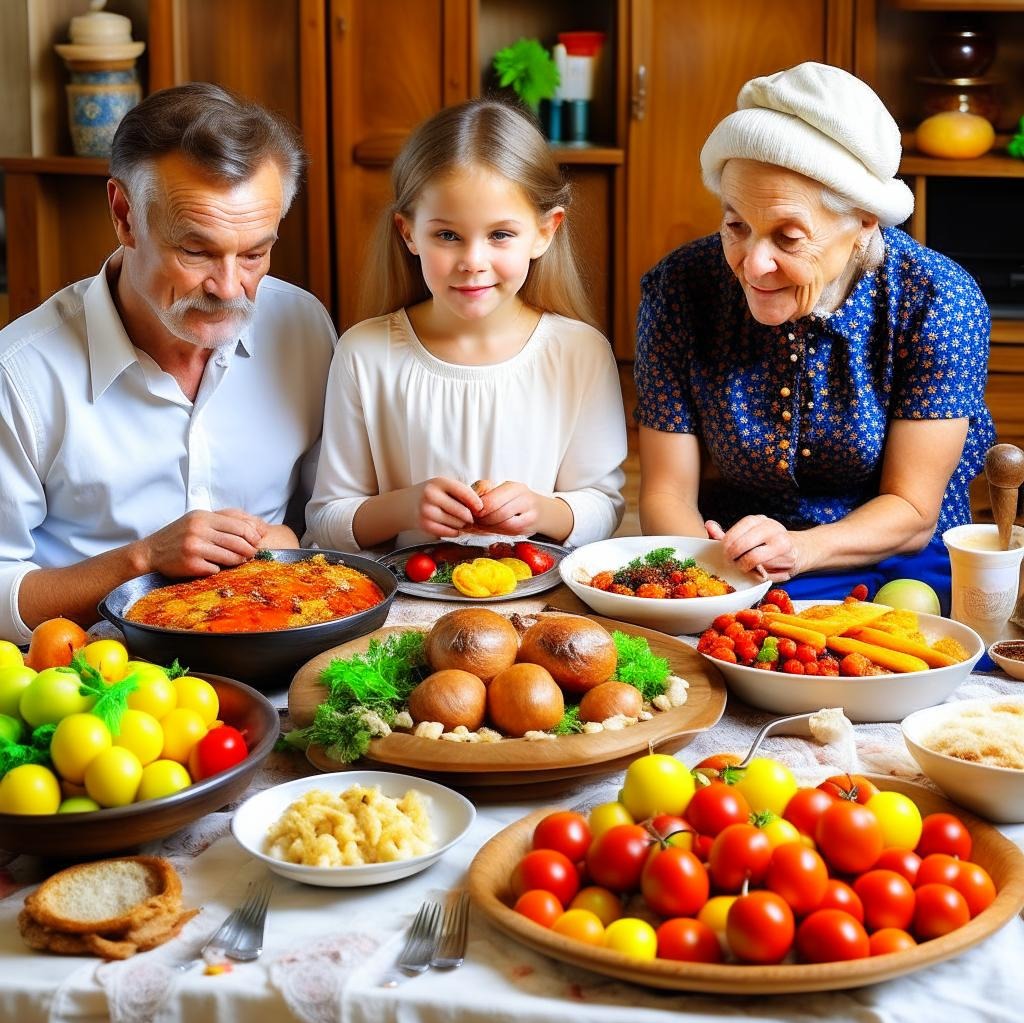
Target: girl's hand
<point>445,507</point>
<point>510,508</point>
<point>759,543</point>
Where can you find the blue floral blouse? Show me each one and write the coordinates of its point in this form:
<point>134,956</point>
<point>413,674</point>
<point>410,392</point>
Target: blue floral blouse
<point>794,417</point>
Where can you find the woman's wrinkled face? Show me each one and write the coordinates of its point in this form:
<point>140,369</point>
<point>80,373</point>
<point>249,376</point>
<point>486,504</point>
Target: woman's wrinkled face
<point>782,243</point>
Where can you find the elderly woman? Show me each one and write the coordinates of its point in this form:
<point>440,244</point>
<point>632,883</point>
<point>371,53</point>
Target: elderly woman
<point>829,368</point>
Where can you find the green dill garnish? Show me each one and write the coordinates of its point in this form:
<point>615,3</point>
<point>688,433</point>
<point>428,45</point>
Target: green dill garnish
<point>659,556</point>
<point>639,667</point>
<point>443,573</point>
<point>35,751</point>
<point>175,670</point>
<point>263,555</point>
<point>661,560</point>
<point>570,723</point>
<point>111,700</point>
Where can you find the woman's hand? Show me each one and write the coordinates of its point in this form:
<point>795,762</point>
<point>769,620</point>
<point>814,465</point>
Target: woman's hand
<point>444,507</point>
<point>757,542</point>
<point>510,508</point>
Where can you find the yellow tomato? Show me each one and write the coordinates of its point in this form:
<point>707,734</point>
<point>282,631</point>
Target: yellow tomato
<point>156,694</point>
<point>183,728</point>
<point>606,816</point>
<point>767,785</point>
<point>632,937</point>
<point>899,817</point>
<point>79,738</point>
<point>520,569</point>
<point>141,733</point>
<point>656,784</point>
<point>605,905</point>
<point>779,831</point>
<point>78,804</point>
<point>162,778</point>
<point>108,657</point>
<point>30,788</point>
<point>14,680</point>
<point>198,695</point>
<point>715,912</point>
<point>483,577</point>
<point>52,695</point>
<point>10,655</point>
<point>113,777</point>
<point>581,925</point>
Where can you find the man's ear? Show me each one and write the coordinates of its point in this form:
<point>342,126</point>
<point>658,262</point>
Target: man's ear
<point>548,226</point>
<point>122,214</point>
<point>405,230</point>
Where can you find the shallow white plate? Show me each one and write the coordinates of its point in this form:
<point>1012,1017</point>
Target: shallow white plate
<point>675,617</point>
<point>451,816</point>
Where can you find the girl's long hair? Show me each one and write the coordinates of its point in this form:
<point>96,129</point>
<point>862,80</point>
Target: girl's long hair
<point>481,133</point>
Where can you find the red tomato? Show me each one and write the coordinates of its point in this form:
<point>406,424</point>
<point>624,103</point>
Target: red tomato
<point>888,899</point>
<point>617,857</point>
<point>688,941</point>
<point>222,747</point>
<point>937,868</point>
<point>903,861</point>
<point>805,807</point>
<point>839,895</point>
<point>849,837</point>
<point>799,875</point>
<point>673,830</point>
<point>674,882</point>
<point>501,550</point>
<point>944,833</point>
<point>854,787</point>
<point>539,561</point>
<point>565,831</point>
<point>547,869</point>
<point>713,808</point>
<point>975,885</point>
<point>830,935</point>
<point>940,909</point>
<point>739,852</point>
<point>890,939</point>
<point>760,928</point>
<point>539,906</point>
<point>420,567</point>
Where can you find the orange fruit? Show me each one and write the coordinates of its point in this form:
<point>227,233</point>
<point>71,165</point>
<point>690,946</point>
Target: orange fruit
<point>955,135</point>
<point>53,643</point>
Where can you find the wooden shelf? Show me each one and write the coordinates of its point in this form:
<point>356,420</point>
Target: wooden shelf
<point>1008,332</point>
<point>962,6</point>
<point>54,165</point>
<point>589,154</point>
<point>991,165</point>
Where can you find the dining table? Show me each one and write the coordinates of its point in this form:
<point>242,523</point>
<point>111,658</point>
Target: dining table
<point>326,950</point>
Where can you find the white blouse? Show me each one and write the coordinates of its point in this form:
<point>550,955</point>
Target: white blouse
<point>550,417</point>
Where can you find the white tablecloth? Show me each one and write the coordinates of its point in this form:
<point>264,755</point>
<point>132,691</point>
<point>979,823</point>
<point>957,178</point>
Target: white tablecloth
<point>326,949</point>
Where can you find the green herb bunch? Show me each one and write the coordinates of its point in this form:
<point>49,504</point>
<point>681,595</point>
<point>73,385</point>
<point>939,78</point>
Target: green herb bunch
<point>661,561</point>
<point>529,69</point>
<point>638,666</point>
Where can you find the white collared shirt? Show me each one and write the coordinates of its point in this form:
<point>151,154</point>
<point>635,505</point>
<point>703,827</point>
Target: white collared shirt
<point>100,447</point>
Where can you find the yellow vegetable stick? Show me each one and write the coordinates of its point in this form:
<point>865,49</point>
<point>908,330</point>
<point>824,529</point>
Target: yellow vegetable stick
<point>933,658</point>
<point>885,658</point>
<point>824,626</point>
<point>808,636</point>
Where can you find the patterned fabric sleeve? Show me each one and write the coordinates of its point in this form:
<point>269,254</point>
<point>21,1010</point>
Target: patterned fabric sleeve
<point>664,343</point>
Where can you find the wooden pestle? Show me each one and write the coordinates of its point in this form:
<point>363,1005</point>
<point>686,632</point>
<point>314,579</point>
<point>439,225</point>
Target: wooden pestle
<point>1004,470</point>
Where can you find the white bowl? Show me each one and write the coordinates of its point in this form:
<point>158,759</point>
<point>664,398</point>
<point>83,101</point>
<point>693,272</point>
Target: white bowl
<point>873,698</point>
<point>1012,667</point>
<point>451,816</point>
<point>993,792</point>
<point>688,615</point>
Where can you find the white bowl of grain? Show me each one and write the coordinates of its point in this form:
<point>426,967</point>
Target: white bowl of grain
<point>974,751</point>
<point>438,819</point>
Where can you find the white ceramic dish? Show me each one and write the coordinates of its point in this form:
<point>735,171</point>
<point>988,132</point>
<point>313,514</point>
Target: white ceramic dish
<point>993,792</point>
<point>451,816</point>
<point>675,617</point>
<point>875,698</point>
<point>1012,667</point>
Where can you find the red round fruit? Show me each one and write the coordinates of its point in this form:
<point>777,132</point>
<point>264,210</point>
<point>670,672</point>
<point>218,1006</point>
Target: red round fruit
<point>674,830</point>
<point>420,567</point>
<point>849,837</point>
<point>739,852</point>
<point>565,831</point>
<point>674,882</point>
<point>839,895</point>
<point>222,747</point>
<point>940,909</point>
<point>688,941</point>
<point>617,856</point>
<point>887,897</point>
<point>713,808</point>
<point>799,875</point>
<point>937,868</point>
<point>540,906</point>
<point>805,807</point>
<point>853,787</point>
<point>975,885</point>
<point>890,939</point>
<point>903,861</point>
<point>830,935</point>
<point>944,833</point>
<point>759,928</point>
<point>547,869</point>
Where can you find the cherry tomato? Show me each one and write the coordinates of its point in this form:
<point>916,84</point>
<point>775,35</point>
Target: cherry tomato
<point>903,861</point>
<point>899,817</point>
<point>715,913</point>
<point>854,787</point>
<point>849,837</point>
<point>420,567</point>
<point>944,833</point>
<point>739,852</point>
<point>888,899</point>
<point>975,885</point>
<point>777,830</point>
<point>674,830</point>
<point>632,937</point>
<point>805,807</point>
<point>760,928</point>
<point>674,882</point>
<point>799,875</point>
<point>890,939</point>
<point>939,910</point>
<point>768,785</point>
<point>839,895</point>
<point>688,941</point>
<point>547,869</point>
<point>222,747</point>
<point>830,935</point>
<point>539,561</point>
<point>605,905</point>
<point>565,831</point>
<point>715,807</point>
<point>718,762</point>
<point>581,925</point>
<point>607,816</point>
<point>540,906</point>
<point>938,868</point>
<point>616,858</point>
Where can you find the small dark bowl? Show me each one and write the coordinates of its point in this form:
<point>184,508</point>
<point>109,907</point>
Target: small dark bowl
<point>266,660</point>
<point>81,835</point>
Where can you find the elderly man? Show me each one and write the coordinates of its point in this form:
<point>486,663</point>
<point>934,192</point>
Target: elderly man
<point>165,414</point>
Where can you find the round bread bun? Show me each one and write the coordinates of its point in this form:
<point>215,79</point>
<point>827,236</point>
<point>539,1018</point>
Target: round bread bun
<point>579,653</point>
<point>524,698</point>
<point>472,639</point>
<point>450,696</point>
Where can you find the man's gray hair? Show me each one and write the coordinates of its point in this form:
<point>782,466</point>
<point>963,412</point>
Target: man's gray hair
<point>227,136</point>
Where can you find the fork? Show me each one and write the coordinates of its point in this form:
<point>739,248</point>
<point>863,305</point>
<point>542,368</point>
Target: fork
<point>419,945</point>
<point>451,946</point>
<point>227,937</point>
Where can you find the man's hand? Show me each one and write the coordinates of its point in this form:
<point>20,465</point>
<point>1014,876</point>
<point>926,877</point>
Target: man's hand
<point>203,542</point>
<point>759,544</point>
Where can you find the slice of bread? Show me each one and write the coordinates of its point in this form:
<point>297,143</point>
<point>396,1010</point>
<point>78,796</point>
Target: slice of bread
<point>106,897</point>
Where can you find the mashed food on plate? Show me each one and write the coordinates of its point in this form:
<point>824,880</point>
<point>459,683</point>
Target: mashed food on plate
<point>351,828</point>
<point>992,735</point>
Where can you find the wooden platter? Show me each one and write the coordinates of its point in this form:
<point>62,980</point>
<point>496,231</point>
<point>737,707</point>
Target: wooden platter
<point>489,887</point>
<point>519,761</point>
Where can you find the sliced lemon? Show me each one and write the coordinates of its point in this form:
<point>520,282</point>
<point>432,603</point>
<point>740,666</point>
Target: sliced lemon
<point>520,569</point>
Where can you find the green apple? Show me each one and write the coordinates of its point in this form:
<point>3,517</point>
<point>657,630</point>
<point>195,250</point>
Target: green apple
<point>51,696</point>
<point>78,804</point>
<point>909,595</point>
<point>9,654</point>
<point>10,728</point>
<point>14,680</point>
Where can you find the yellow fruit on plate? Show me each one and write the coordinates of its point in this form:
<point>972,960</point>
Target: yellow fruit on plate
<point>162,778</point>
<point>142,734</point>
<point>954,135</point>
<point>183,728</point>
<point>156,694</point>
<point>79,738</point>
<point>520,569</point>
<point>112,778</point>
<point>108,657</point>
<point>483,577</point>
<point>10,655</point>
<point>197,694</point>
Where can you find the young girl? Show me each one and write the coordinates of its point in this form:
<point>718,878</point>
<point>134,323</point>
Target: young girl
<point>477,367</point>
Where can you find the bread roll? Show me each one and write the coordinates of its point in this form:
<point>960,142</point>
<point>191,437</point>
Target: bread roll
<point>472,639</point>
<point>579,653</point>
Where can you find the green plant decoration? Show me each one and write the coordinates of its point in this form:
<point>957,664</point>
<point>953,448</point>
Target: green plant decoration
<point>1015,147</point>
<point>529,69</point>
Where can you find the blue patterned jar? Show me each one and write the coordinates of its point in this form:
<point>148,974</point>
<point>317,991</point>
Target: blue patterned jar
<point>95,110</point>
